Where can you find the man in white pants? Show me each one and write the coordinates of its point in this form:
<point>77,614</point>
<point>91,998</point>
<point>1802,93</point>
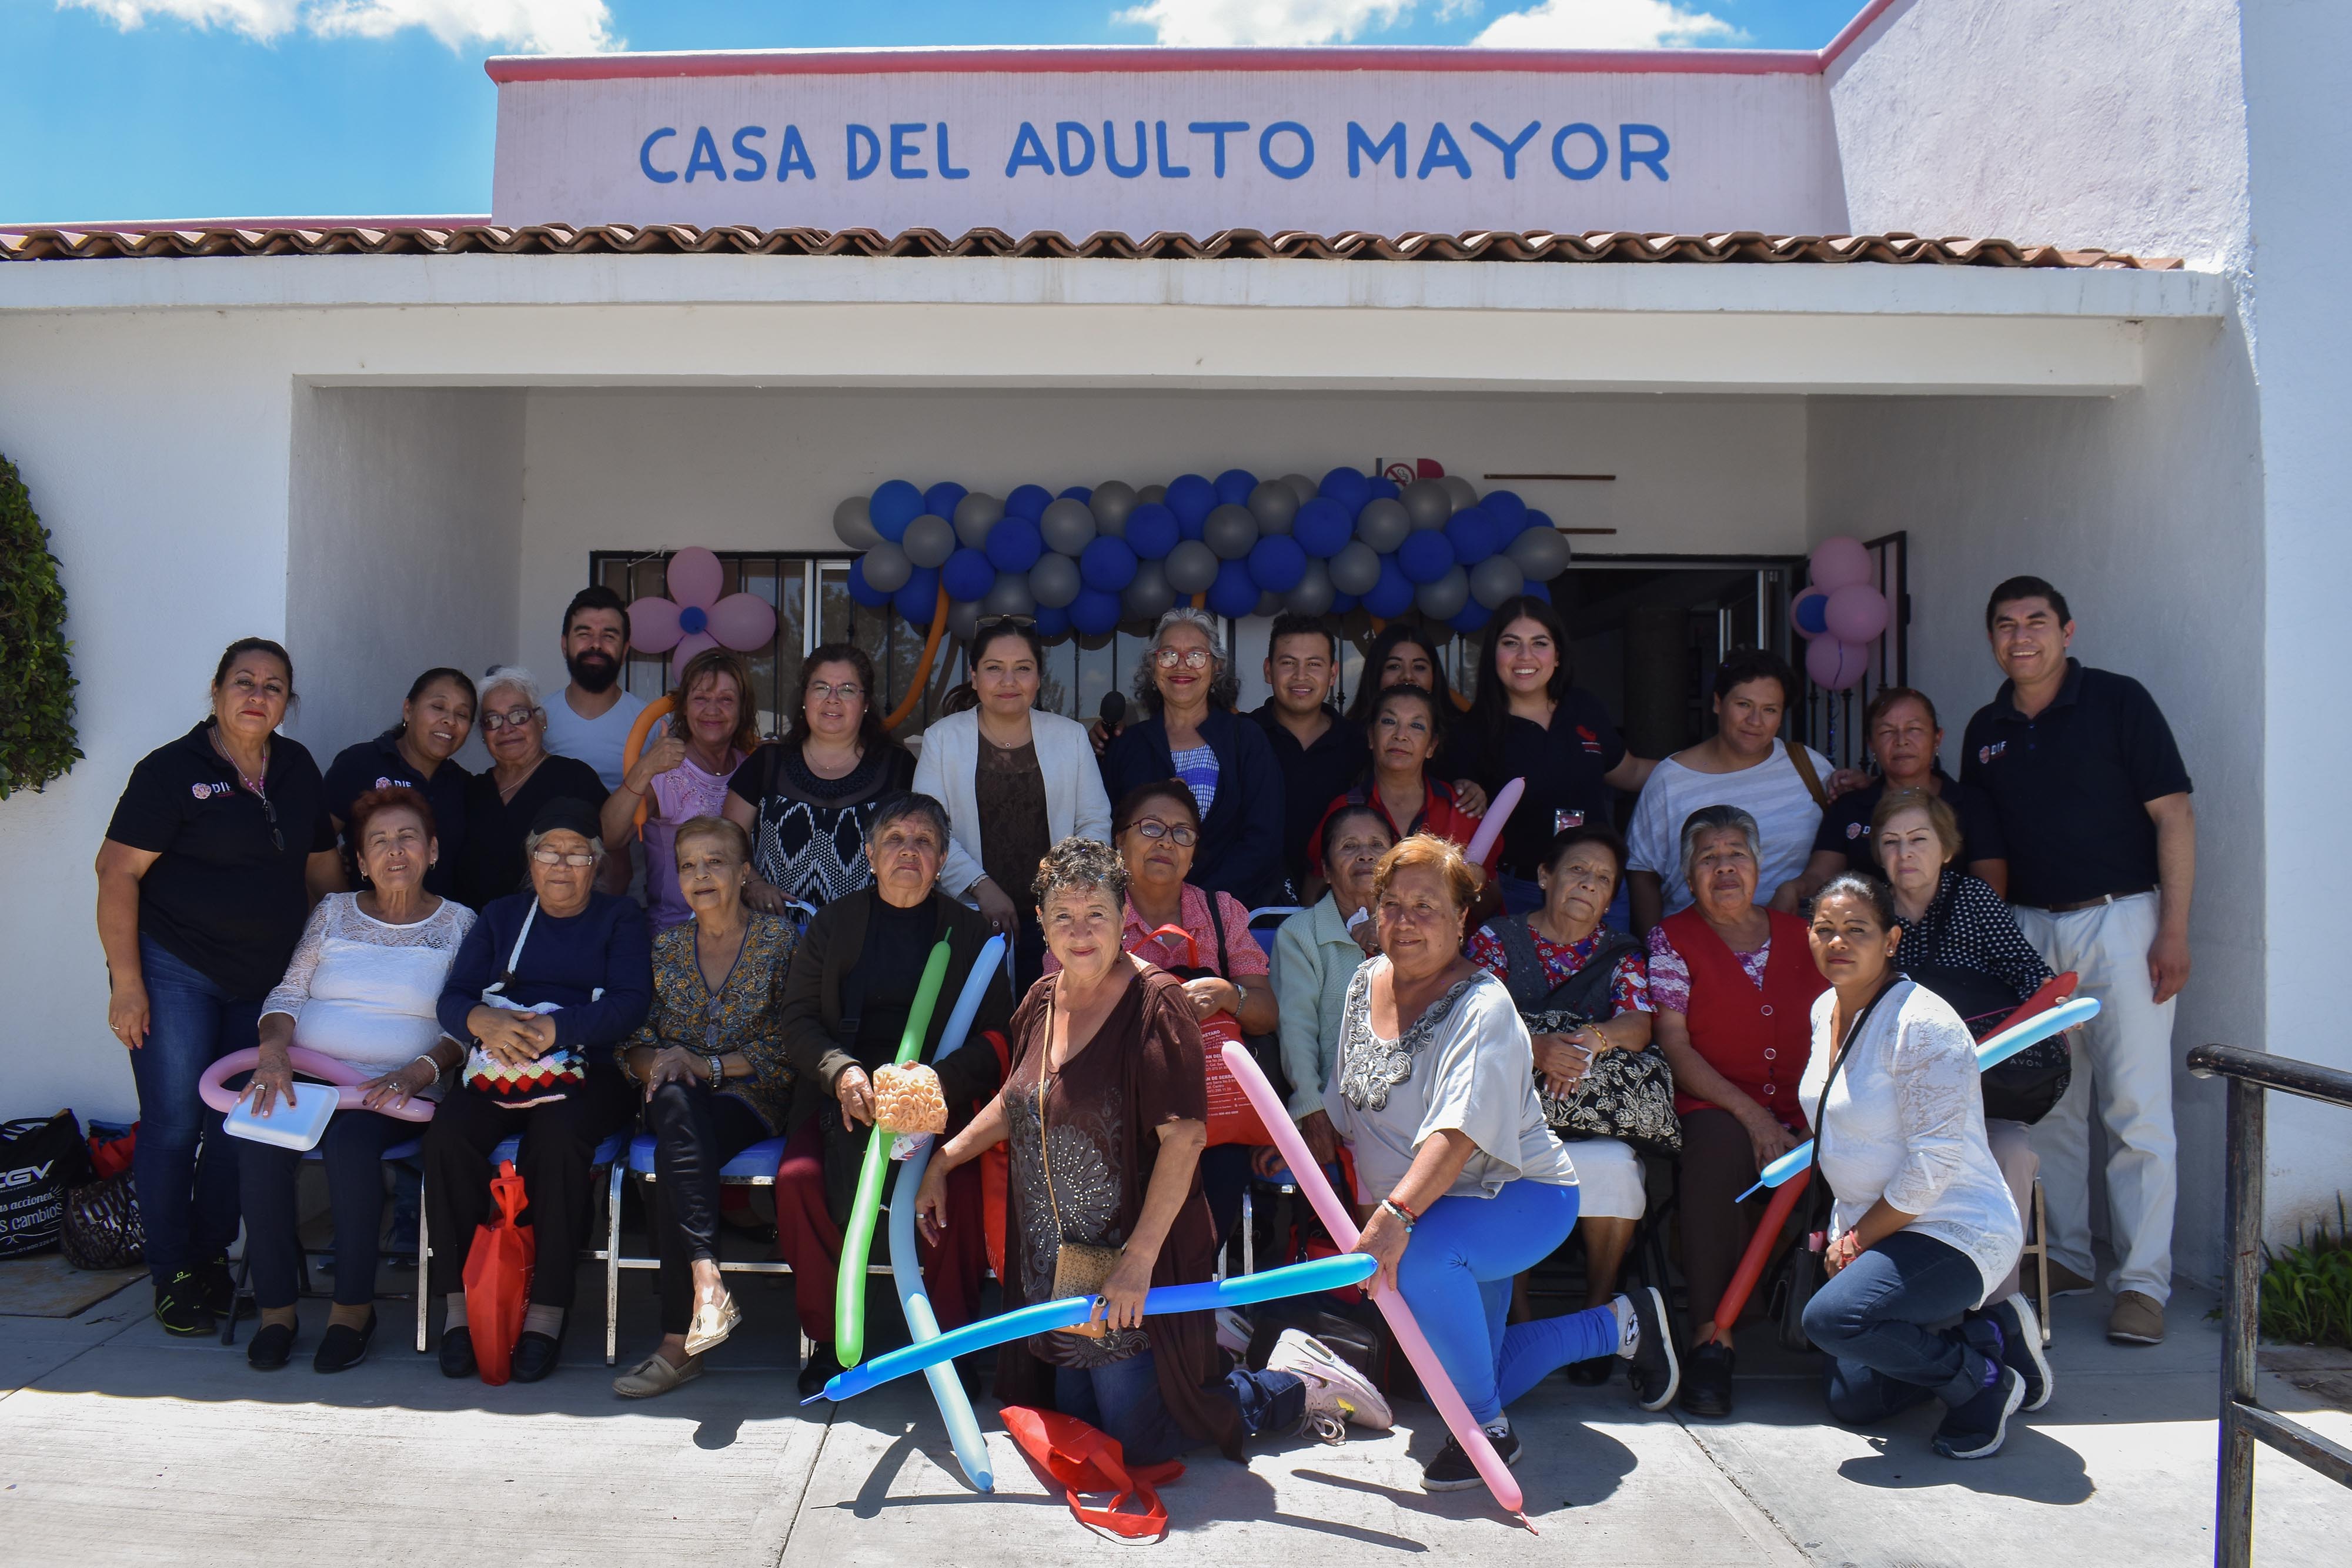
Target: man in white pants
<point>2094,801</point>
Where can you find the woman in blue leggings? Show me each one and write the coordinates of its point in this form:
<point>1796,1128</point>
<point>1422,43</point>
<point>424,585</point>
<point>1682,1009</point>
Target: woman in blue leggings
<point>1435,1089</point>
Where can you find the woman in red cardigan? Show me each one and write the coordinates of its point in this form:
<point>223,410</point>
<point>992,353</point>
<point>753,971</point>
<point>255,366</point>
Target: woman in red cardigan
<point>1734,984</point>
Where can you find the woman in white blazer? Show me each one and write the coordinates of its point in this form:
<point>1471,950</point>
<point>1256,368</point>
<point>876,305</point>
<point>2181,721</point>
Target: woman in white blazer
<point>1014,781</point>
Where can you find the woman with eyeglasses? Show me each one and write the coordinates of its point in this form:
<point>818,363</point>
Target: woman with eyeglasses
<point>1016,782</point>
<point>1191,732</point>
<point>545,985</point>
<point>808,799</point>
<point>1402,785</point>
<point>684,774</point>
<point>504,800</point>
<point>217,850</point>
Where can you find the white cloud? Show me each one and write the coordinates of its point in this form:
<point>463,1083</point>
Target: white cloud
<point>1605,25</point>
<point>538,27</point>
<point>1214,22</point>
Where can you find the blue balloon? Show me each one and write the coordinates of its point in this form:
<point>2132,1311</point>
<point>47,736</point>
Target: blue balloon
<point>1052,622</point>
<point>1192,528</point>
<point>919,599</point>
<point>1076,493</point>
<point>1094,613</point>
<point>1014,544</point>
<point>1348,487</point>
<point>1470,617</point>
<point>1536,591</point>
<point>1192,499</point>
<point>1392,594</point>
<point>1235,592</point>
<point>1511,513</point>
<point>1028,501</point>
<point>1107,564</point>
<point>1277,563</point>
<point>1472,534</point>
<point>864,592</point>
<point>968,574</point>
<point>941,499</point>
<point>1384,488</point>
<point>1152,531</point>
<point>894,505</point>
<point>1342,602</point>
<point>1534,519</point>
<point>1233,486</point>
<point>1323,527</point>
<point>1810,611</point>
<point>1425,556</point>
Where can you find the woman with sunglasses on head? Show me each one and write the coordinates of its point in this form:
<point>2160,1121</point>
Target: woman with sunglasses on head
<point>217,850</point>
<point>503,801</point>
<point>1192,734</point>
<point>1016,782</point>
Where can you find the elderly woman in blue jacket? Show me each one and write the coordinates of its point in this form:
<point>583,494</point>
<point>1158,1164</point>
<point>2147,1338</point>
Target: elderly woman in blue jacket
<point>1187,689</point>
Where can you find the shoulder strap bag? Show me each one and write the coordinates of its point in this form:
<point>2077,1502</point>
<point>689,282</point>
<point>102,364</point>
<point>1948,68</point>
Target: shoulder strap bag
<point>1803,763</point>
<point>1801,1271</point>
<point>1628,1095</point>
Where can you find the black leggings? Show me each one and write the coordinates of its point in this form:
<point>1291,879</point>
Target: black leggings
<point>559,1145</point>
<point>353,1153</point>
<point>695,1132</point>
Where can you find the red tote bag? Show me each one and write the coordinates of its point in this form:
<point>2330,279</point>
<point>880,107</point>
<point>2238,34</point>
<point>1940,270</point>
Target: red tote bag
<point>1080,1459</point>
<point>1232,1118</point>
<point>498,1277</point>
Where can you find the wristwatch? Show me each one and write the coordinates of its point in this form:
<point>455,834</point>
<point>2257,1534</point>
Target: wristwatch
<point>717,1071</point>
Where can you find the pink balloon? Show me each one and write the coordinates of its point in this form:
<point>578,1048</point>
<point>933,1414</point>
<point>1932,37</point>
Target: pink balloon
<point>690,644</point>
<point>1834,665</point>
<point>1855,614</point>
<point>1837,562</point>
<point>653,625</point>
<point>350,1081</point>
<point>743,621</point>
<point>1808,606</point>
<point>1498,812</point>
<point>696,577</point>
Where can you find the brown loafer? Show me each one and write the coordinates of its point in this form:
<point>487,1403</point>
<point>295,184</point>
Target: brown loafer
<point>654,1375</point>
<point>2137,1320</point>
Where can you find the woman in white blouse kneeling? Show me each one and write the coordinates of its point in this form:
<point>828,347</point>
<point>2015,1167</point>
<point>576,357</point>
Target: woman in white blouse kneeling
<point>1923,1227</point>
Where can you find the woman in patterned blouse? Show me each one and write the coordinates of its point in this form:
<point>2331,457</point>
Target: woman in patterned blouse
<point>711,1057</point>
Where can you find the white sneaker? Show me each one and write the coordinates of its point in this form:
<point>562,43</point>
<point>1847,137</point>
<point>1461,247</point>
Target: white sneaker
<point>1233,1333</point>
<point>1336,1392</point>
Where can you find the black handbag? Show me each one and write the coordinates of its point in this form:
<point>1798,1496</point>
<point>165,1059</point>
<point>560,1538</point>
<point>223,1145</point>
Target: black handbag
<point>2026,1086</point>
<point>1626,1095</point>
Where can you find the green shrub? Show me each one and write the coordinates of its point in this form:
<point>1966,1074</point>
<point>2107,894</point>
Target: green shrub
<point>37,685</point>
<point>2306,1291</point>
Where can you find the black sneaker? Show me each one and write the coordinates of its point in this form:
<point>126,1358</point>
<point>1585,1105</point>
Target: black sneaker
<point>1592,1373</point>
<point>217,1285</point>
<point>180,1307</point>
<point>270,1346</point>
<point>1452,1471</point>
<point>1707,1383</point>
<point>818,1370</point>
<point>1657,1374</point>
<point>1975,1430</point>
<point>343,1348</point>
<point>2021,1347</point>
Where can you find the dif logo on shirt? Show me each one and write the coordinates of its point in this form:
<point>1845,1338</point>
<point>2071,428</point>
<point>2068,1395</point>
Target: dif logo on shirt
<point>1987,753</point>
<point>206,791</point>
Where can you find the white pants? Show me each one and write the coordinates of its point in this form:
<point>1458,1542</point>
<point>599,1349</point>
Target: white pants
<point>2123,1062</point>
<point>2013,1151</point>
<point>1608,1179</point>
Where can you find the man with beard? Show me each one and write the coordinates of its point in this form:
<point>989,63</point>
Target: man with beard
<point>591,719</point>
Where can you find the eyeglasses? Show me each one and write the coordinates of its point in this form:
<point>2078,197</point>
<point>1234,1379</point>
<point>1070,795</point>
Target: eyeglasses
<point>824,690</point>
<point>990,623</point>
<point>1184,838</point>
<point>557,857</point>
<point>494,722</point>
<point>1191,658</point>
<point>277,838</point>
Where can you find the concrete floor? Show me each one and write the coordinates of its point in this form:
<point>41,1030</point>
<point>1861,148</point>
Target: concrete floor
<point>118,1444</point>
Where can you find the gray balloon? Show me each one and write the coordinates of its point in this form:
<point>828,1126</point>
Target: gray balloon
<point>888,568</point>
<point>1356,567</point>
<point>1542,553</point>
<point>1191,566</point>
<point>1269,603</point>
<point>1496,579</point>
<point>1301,486</point>
<point>1068,524</point>
<point>929,541</point>
<point>1427,503</point>
<point>1011,596</point>
<point>1273,504</point>
<point>1447,596</point>
<point>1313,594</point>
<point>1053,580</point>
<point>975,516</point>
<point>963,620</point>
<point>1230,531</point>
<point>853,526</point>
<point>1460,490</point>
<point>1153,495</point>
<point>1110,503</point>
<point>1147,596</point>
<point>1383,524</point>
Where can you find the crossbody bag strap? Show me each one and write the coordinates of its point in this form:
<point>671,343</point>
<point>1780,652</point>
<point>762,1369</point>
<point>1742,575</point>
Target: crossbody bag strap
<point>1837,1065</point>
<point>1803,763</point>
<point>514,958</point>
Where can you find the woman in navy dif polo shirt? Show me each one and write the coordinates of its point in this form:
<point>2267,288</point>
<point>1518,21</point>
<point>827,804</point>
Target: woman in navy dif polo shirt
<point>418,753</point>
<point>218,848</point>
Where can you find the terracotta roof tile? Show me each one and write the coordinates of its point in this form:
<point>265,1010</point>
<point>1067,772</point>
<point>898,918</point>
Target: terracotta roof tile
<point>93,243</point>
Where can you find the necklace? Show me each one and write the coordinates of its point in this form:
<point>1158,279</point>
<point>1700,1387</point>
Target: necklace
<point>258,786</point>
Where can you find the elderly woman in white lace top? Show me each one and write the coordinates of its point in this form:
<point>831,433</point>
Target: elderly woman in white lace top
<point>1923,1227</point>
<point>362,988</point>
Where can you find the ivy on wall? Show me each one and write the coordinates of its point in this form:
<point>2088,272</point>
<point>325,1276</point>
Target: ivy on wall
<point>36,684</point>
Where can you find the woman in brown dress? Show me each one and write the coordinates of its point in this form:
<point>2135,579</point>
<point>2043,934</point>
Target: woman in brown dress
<point>1107,1110</point>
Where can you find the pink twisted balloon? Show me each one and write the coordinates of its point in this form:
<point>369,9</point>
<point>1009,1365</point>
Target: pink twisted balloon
<point>346,1078</point>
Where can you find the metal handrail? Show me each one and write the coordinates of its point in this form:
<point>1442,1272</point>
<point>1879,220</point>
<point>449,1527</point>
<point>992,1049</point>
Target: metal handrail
<point>2252,1074</point>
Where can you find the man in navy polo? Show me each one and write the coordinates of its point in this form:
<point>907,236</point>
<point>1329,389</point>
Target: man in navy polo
<point>1321,752</point>
<point>2093,802</point>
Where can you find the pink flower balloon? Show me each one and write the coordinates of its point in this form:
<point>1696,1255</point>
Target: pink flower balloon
<point>1835,665</point>
<point>1855,614</point>
<point>1839,562</point>
<point>695,617</point>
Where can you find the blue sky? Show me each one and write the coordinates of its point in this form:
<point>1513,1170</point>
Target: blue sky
<point>182,109</point>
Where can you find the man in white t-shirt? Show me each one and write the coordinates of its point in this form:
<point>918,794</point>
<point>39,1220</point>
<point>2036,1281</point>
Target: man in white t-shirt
<point>591,719</point>
<point>1746,764</point>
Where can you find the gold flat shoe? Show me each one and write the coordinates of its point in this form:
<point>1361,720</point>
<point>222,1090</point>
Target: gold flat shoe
<point>713,1321</point>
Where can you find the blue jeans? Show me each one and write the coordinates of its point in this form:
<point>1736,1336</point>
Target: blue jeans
<point>185,1168</point>
<point>352,1152</point>
<point>1123,1399</point>
<point>1457,1276</point>
<point>1882,1319</point>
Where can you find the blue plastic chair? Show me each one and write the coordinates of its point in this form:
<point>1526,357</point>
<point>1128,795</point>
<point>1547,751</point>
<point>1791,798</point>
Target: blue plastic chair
<point>608,1154</point>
